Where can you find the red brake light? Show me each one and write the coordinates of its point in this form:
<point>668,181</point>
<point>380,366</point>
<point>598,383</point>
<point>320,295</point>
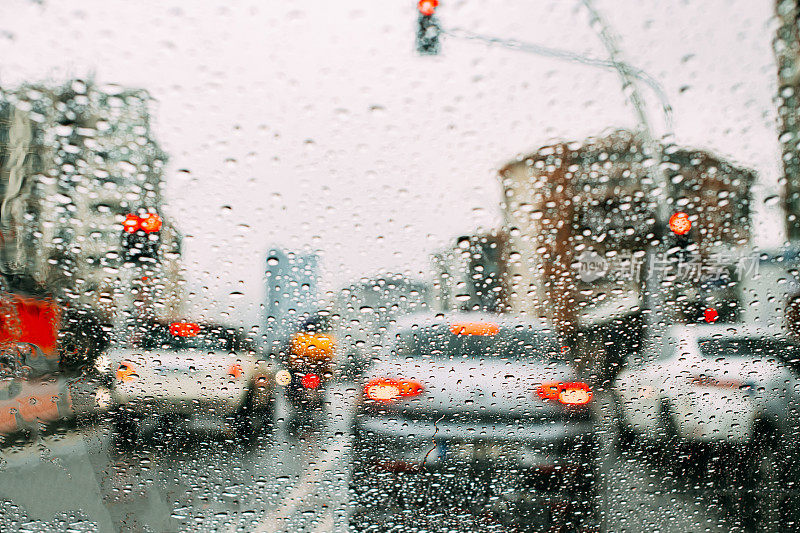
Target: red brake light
<point>150,223</point>
<point>388,390</point>
<point>310,381</point>
<point>572,393</point>
<point>131,223</point>
<point>184,329</point>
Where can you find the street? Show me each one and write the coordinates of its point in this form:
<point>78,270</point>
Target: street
<point>295,478</point>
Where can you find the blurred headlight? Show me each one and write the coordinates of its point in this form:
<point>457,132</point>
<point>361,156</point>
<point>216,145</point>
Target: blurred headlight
<point>102,364</point>
<point>283,377</point>
<point>126,372</point>
<point>103,397</point>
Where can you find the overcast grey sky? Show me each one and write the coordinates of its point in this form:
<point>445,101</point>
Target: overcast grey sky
<point>314,124</point>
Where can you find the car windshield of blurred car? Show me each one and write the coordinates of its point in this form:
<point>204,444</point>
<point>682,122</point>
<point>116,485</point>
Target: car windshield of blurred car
<point>439,342</point>
<point>755,347</point>
<point>160,338</point>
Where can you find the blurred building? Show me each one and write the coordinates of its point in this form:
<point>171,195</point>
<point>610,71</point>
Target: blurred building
<point>471,275</point>
<point>787,51</point>
<point>292,291</point>
<point>579,218</point>
<point>568,205</point>
<point>75,159</point>
<point>366,308</point>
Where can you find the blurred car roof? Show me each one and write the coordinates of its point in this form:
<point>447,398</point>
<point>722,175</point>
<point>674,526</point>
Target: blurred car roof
<point>434,319</point>
<point>726,330</point>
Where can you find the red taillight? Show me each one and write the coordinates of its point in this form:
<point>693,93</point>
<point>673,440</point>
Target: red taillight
<point>310,381</point>
<point>710,315</point>
<point>388,390</point>
<point>235,371</point>
<point>131,223</point>
<point>150,223</point>
<point>184,329</point>
<point>572,393</point>
<point>680,224</point>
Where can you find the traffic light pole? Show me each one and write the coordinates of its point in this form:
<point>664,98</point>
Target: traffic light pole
<point>653,291</point>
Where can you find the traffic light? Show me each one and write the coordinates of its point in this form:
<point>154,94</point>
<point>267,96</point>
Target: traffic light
<point>679,223</point>
<point>141,235</point>
<point>681,227</point>
<point>428,28</point>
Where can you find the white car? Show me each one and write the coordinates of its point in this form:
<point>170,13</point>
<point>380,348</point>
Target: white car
<point>204,378</point>
<point>710,383</point>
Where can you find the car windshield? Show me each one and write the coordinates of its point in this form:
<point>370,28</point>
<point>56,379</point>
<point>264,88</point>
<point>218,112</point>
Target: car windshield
<point>439,342</point>
<point>758,347</point>
<point>208,339</point>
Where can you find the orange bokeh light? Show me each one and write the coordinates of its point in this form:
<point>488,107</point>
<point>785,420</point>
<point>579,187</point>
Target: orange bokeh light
<point>680,224</point>
<point>150,223</point>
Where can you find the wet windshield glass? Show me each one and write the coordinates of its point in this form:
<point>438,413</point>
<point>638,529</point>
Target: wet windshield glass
<point>160,338</point>
<point>399,266</point>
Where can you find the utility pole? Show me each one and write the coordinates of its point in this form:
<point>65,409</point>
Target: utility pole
<point>652,285</point>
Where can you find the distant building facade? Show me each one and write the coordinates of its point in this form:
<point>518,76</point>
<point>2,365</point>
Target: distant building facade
<point>75,159</point>
<point>365,309</point>
<point>471,275</point>
<point>292,290</point>
<point>787,53</point>
<point>572,204</point>
<point>580,218</point>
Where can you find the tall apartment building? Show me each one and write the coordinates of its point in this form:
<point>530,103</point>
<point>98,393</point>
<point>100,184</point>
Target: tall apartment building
<point>75,159</point>
<point>579,219</point>
<point>787,53</point>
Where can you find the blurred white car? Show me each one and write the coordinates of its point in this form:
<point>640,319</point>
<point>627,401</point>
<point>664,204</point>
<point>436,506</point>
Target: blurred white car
<point>710,383</point>
<point>479,399</point>
<point>203,378</point>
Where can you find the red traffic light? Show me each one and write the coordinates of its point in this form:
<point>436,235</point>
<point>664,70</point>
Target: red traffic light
<point>710,315</point>
<point>680,224</point>
<point>427,7</point>
<point>149,223</point>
